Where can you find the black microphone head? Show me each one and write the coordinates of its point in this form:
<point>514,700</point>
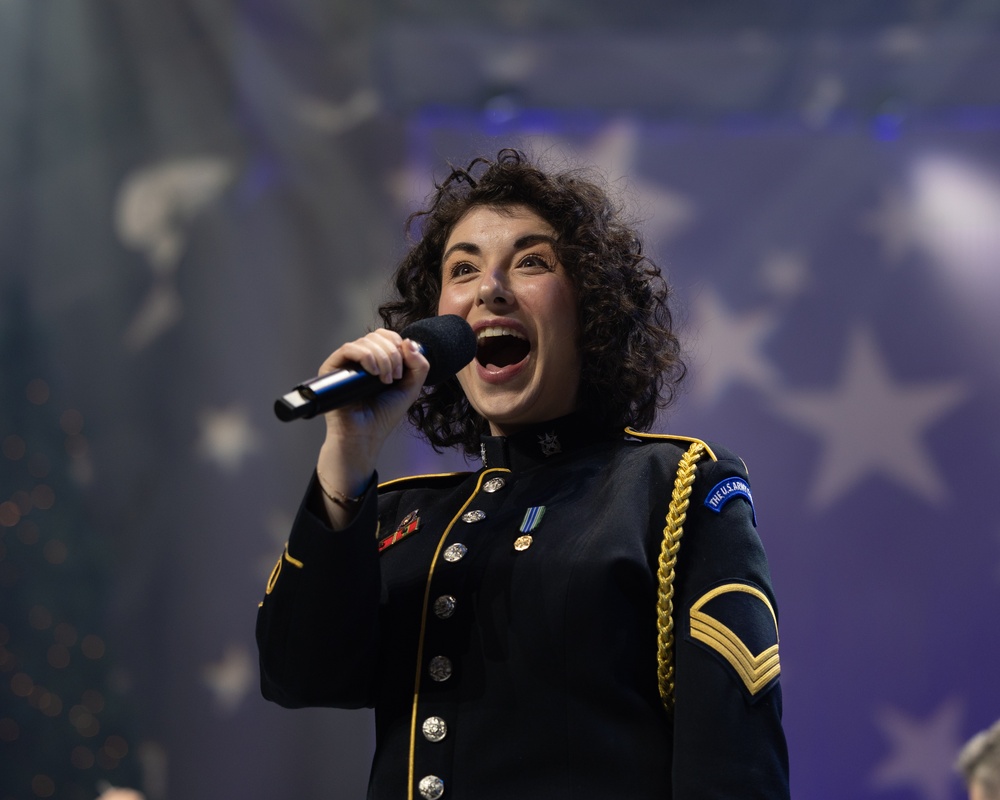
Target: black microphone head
<point>448,344</point>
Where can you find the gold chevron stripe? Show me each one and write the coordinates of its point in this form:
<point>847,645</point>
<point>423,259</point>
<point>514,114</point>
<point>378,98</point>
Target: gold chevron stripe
<point>756,671</point>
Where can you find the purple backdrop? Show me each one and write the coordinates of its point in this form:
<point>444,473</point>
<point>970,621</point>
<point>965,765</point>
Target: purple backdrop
<point>201,200</point>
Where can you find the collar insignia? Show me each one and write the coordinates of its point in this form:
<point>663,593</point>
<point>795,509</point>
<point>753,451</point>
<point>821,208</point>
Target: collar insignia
<point>549,443</point>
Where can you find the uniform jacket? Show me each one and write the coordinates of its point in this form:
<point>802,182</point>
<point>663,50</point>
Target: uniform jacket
<point>503,625</point>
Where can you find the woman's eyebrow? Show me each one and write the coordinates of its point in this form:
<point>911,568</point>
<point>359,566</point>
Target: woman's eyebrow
<point>465,247</point>
<point>532,239</point>
<point>528,240</point>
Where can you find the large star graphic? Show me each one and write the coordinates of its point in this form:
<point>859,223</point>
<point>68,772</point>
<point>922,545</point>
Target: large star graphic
<point>665,213</point>
<point>727,348</point>
<point>154,212</point>
<point>872,426</point>
<point>785,273</point>
<point>923,751</point>
<point>227,437</point>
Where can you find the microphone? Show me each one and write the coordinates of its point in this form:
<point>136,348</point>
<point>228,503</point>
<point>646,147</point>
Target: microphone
<point>447,342</point>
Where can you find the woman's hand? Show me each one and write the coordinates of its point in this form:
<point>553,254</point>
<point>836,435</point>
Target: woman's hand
<point>355,433</point>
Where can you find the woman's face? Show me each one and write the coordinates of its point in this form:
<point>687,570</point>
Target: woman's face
<point>499,272</point>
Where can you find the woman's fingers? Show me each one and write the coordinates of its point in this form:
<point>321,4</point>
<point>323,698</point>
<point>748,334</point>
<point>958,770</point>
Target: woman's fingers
<point>378,353</point>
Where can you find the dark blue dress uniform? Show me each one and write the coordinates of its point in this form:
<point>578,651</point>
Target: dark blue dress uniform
<point>503,624</point>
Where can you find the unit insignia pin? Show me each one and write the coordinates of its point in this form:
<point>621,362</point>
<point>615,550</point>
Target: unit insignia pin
<point>409,524</point>
<point>550,444</point>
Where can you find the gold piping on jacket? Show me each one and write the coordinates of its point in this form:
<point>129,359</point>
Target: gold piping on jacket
<point>273,579</point>
<point>391,483</point>
<point>423,628</point>
<point>667,437</point>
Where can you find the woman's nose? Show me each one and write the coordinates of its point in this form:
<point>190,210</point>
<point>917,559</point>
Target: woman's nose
<point>494,289</point>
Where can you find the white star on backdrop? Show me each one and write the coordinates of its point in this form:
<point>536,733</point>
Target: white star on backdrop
<point>665,214</point>
<point>410,186</point>
<point>726,348</point>
<point>359,306</point>
<point>335,118</point>
<point>871,425</point>
<point>828,93</point>
<point>923,751</point>
<point>230,679</point>
<point>227,437</point>
<point>154,211</point>
<point>785,273</point>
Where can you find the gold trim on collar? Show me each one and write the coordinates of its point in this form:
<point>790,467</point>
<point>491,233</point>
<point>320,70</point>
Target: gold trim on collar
<point>393,481</point>
<point>293,561</point>
<point>671,437</point>
<point>756,671</point>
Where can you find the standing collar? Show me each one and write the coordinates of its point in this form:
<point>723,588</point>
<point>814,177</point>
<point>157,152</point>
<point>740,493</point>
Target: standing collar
<point>539,444</point>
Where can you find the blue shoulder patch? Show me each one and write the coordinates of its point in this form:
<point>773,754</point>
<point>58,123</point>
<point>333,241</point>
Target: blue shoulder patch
<point>726,490</point>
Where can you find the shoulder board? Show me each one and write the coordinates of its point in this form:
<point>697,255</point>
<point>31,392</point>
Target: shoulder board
<point>414,481</point>
<point>667,437</point>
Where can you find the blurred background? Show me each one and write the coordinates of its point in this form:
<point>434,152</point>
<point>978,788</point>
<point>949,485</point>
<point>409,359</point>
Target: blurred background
<point>201,198</point>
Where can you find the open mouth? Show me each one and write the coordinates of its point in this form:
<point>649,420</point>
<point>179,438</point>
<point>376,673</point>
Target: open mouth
<point>499,347</point>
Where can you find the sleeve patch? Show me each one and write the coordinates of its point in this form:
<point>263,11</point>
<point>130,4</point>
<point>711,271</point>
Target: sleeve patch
<point>737,622</point>
<point>726,490</point>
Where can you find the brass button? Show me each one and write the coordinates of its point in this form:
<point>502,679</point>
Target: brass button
<point>494,485</point>
<point>444,606</point>
<point>455,552</point>
<point>431,787</point>
<point>434,729</point>
<point>474,516</point>
<point>440,668</point>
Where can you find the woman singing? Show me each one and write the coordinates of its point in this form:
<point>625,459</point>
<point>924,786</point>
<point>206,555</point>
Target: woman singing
<point>587,615</point>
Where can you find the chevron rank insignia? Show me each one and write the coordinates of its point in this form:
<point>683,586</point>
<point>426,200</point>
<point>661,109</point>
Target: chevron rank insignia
<point>409,524</point>
<point>737,623</point>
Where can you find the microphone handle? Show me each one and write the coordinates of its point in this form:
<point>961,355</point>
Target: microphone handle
<point>326,392</point>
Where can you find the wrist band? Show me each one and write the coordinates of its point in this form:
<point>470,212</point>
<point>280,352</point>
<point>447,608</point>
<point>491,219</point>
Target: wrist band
<point>339,498</point>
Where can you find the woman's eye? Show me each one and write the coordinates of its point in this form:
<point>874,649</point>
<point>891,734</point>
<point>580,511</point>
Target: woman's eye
<point>535,261</point>
<point>461,270</point>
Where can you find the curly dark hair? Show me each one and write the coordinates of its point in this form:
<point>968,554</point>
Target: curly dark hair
<point>631,360</point>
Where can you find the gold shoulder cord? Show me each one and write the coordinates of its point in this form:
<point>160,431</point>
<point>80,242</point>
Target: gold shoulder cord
<point>672,533</point>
